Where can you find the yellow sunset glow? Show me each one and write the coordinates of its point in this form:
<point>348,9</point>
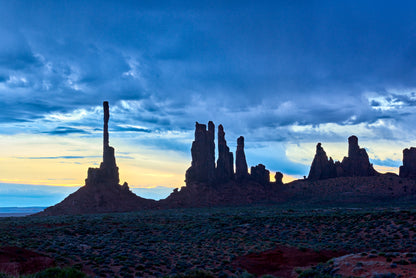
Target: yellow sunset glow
<point>64,161</point>
<point>58,161</point>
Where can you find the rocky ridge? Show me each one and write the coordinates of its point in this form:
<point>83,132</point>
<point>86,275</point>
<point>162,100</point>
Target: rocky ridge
<point>214,184</point>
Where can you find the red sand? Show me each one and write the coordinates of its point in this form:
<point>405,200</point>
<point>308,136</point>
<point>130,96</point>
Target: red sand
<point>364,266</point>
<point>284,260</point>
<point>15,261</point>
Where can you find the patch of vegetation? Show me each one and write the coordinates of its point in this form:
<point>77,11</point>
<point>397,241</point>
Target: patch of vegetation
<point>57,272</point>
<point>194,274</point>
<point>174,242</point>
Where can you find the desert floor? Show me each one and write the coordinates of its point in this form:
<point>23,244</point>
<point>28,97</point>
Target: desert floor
<point>229,241</point>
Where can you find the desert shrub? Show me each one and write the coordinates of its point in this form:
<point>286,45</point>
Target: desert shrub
<point>194,274</point>
<point>313,273</point>
<point>402,262</point>
<point>57,272</point>
<point>245,274</point>
<point>385,275</point>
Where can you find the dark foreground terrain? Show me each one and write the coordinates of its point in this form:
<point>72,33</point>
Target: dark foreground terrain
<point>236,242</point>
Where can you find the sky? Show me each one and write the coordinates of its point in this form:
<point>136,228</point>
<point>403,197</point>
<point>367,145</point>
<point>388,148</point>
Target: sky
<point>284,74</point>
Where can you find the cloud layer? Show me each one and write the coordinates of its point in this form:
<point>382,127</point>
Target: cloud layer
<point>280,73</point>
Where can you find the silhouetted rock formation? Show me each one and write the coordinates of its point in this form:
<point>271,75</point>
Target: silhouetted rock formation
<point>408,170</point>
<point>260,174</point>
<point>227,188</point>
<point>321,167</point>
<point>241,169</point>
<point>108,171</point>
<point>381,189</point>
<point>279,178</point>
<point>225,168</point>
<point>203,155</point>
<point>210,185</point>
<point>102,192</point>
<point>357,164</point>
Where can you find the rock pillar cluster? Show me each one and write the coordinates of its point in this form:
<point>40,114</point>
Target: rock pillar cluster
<point>408,170</point>
<point>108,171</point>
<point>203,168</point>
<point>357,164</point>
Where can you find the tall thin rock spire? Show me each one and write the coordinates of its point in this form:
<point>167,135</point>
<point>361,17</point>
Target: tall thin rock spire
<point>108,171</point>
<point>106,144</point>
<point>106,118</point>
<point>241,169</point>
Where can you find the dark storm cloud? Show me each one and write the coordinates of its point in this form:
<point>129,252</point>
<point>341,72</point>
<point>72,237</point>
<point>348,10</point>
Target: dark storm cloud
<point>65,130</point>
<point>56,157</point>
<point>375,103</point>
<point>258,68</point>
<point>131,129</point>
<point>15,52</point>
<point>403,100</point>
<point>68,157</point>
<point>387,162</point>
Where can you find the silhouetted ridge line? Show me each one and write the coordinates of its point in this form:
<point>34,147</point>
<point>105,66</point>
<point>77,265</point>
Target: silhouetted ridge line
<point>353,180</point>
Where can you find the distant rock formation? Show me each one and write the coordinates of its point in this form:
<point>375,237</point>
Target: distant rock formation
<point>102,192</point>
<point>357,164</point>
<point>200,172</point>
<point>203,169</point>
<point>260,174</point>
<point>408,170</point>
<point>225,162</point>
<point>203,155</point>
<point>241,169</point>
<point>321,167</point>
<point>279,178</point>
<point>208,184</point>
<point>108,171</point>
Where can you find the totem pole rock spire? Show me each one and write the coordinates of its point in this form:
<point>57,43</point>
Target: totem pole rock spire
<point>109,161</point>
<point>106,118</point>
<point>108,171</point>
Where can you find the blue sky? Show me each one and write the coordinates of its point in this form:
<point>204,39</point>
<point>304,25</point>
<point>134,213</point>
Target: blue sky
<point>284,74</point>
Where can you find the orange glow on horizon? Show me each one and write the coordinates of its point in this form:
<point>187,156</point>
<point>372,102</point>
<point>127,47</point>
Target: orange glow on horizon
<point>64,161</point>
<point>386,169</point>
